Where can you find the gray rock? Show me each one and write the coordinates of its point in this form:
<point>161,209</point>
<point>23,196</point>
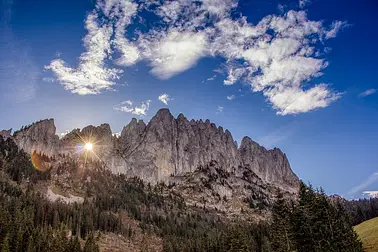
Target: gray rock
<point>163,148</point>
<point>39,137</point>
<point>5,133</point>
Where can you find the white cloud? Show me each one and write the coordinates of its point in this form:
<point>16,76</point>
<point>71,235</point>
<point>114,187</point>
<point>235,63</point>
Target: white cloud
<point>63,134</point>
<point>372,194</point>
<point>335,28</point>
<point>279,65</point>
<point>368,92</point>
<point>212,78</point>
<point>164,98</point>
<point>358,189</point>
<point>219,109</point>
<point>48,79</point>
<point>174,52</point>
<point>91,76</point>
<point>128,107</point>
<point>278,56</point>
<point>234,74</point>
<point>231,97</point>
<point>121,13</point>
<point>117,134</point>
<point>291,100</point>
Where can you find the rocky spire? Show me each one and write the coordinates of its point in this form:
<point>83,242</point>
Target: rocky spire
<point>39,137</point>
<point>271,166</point>
<point>164,147</point>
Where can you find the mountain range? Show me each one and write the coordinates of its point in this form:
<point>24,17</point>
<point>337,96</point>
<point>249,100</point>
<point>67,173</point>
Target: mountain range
<point>197,158</point>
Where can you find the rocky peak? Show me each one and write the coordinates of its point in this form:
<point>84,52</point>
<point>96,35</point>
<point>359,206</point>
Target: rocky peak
<point>39,137</point>
<point>271,166</point>
<point>163,118</point>
<point>164,147</point>
<point>248,147</point>
<point>100,132</point>
<point>6,133</point>
<point>181,117</point>
<point>133,128</point>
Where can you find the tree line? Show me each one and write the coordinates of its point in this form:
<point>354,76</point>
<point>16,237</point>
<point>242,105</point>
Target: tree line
<point>29,222</point>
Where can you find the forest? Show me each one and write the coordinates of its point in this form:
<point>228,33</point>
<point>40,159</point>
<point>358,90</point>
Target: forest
<point>30,222</point>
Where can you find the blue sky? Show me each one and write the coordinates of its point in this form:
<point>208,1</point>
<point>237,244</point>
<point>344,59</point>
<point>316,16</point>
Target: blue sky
<point>299,75</point>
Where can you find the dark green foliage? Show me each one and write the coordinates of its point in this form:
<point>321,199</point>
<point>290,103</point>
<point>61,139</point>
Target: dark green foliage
<point>17,163</point>
<point>362,210</point>
<point>5,247</point>
<point>313,224</point>
<point>90,245</point>
<point>283,236</point>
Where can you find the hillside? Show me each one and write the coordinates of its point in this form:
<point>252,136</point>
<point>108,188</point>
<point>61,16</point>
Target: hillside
<point>79,205</point>
<point>368,233</point>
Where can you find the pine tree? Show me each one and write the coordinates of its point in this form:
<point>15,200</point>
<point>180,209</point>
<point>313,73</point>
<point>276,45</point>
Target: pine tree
<point>282,231</point>
<point>5,247</point>
<point>31,245</point>
<point>320,226</point>
<point>73,245</point>
<point>90,245</point>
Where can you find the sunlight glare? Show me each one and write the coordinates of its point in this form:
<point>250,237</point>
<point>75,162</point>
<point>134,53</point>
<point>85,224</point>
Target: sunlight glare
<point>88,146</point>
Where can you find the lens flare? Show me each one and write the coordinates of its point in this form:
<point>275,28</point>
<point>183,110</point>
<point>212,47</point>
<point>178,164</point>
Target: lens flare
<point>40,162</point>
<point>88,146</point>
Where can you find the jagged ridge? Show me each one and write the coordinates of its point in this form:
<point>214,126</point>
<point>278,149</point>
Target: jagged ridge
<point>163,148</point>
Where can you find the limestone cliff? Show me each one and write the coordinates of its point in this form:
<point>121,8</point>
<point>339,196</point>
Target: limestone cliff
<point>164,148</point>
<point>39,137</point>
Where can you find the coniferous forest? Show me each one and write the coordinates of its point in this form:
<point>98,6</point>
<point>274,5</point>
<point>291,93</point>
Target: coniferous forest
<point>30,222</point>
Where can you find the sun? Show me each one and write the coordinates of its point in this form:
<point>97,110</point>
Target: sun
<point>88,146</point>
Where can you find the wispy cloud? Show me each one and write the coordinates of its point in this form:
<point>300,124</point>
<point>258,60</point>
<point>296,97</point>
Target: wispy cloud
<point>129,107</point>
<point>19,73</point>
<point>212,78</point>
<point>273,138</point>
<point>367,92</point>
<point>165,98</point>
<point>335,28</point>
<point>48,79</point>
<point>219,109</point>
<point>92,76</point>
<point>361,187</point>
<point>231,97</point>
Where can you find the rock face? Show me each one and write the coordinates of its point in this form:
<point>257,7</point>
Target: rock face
<point>271,166</point>
<point>5,133</point>
<point>166,147</point>
<point>39,137</point>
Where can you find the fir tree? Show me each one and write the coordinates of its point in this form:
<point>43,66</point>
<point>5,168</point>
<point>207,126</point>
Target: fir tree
<point>5,247</point>
<point>90,244</point>
<point>282,231</point>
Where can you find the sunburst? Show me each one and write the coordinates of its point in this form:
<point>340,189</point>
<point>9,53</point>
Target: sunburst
<point>88,146</point>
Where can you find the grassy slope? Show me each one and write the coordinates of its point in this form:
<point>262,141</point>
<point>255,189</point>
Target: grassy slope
<point>368,232</point>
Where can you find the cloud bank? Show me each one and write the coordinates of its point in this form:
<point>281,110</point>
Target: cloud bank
<point>278,56</point>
